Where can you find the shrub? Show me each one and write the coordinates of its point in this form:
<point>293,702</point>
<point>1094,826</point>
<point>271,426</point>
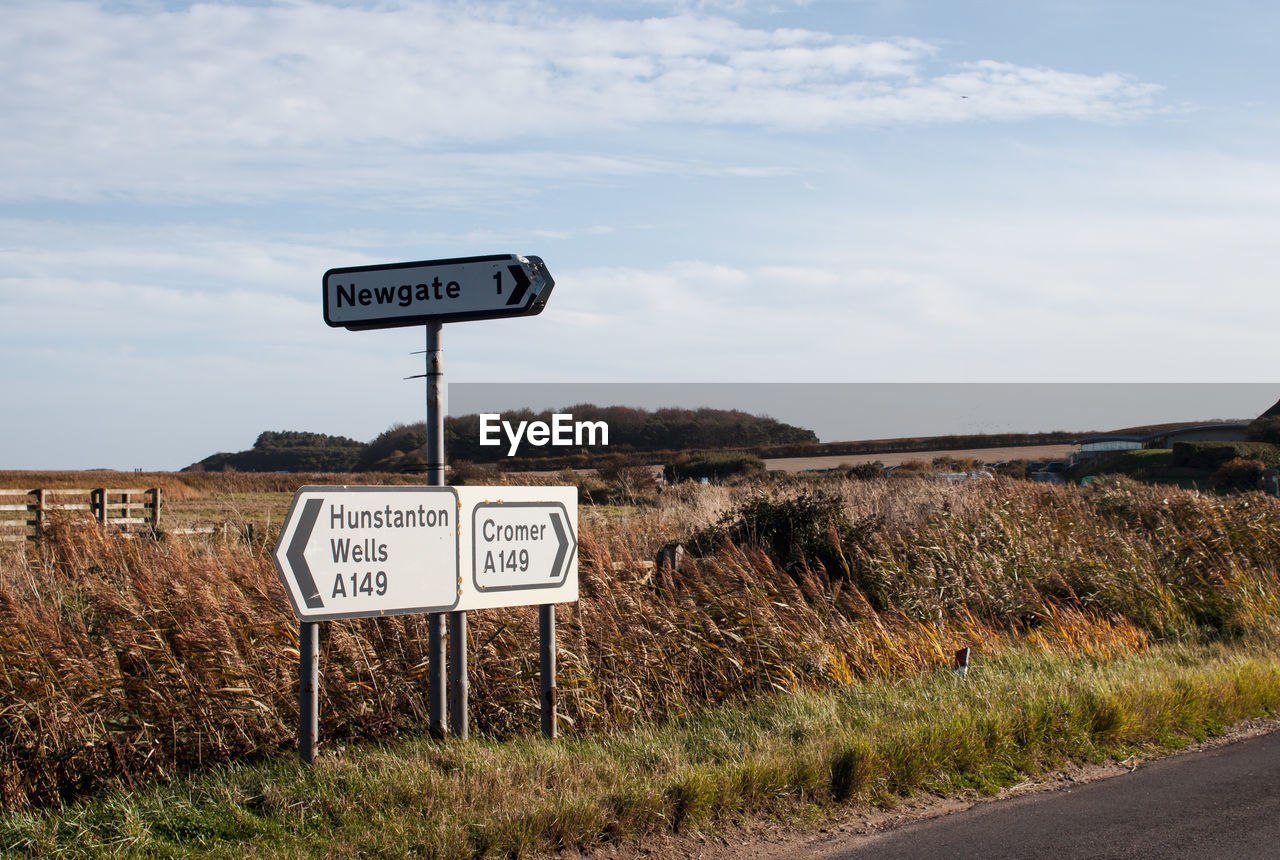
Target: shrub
<point>471,474</point>
<point>1212,455</point>
<point>812,526</point>
<point>715,466</point>
<point>629,478</point>
<point>1239,474</point>
<point>956,464</point>
<point>1013,469</point>
<point>866,471</point>
<point>1143,464</point>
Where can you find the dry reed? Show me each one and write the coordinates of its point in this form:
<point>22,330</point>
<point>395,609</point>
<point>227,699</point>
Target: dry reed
<point>125,660</point>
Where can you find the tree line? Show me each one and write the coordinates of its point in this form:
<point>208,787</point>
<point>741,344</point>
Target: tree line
<point>401,447</point>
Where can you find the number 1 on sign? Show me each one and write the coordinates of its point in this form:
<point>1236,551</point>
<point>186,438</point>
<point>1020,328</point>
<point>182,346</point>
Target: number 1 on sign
<point>497,279</point>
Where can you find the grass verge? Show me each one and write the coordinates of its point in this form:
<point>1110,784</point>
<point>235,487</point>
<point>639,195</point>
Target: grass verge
<point>787,755</point>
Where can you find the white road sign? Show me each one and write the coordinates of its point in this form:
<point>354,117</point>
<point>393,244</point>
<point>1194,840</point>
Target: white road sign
<point>349,552</point>
<point>520,545</point>
<point>454,290</point>
<point>353,551</point>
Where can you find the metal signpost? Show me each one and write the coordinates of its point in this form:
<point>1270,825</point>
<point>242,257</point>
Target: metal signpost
<point>437,705</point>
<point>350,552</point>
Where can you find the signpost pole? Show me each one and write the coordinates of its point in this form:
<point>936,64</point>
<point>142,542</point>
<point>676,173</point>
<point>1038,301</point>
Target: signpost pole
<point>435,663</point>
<point>547,667</point>
<point>457,705</point>
<point>308,690</point>
<point>458,674</point>
<point>435,477</point>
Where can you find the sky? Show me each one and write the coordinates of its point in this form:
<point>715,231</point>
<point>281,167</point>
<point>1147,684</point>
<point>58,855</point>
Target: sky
<point>996,191</point>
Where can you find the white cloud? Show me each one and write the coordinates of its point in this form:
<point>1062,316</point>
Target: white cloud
<point>228,102</point>
<point>656,164</point>
<point>713,6</point>
<point>144,324</point>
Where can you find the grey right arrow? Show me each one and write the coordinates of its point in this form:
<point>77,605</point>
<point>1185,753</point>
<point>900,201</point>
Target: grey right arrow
<point>298,561</point>
<point>566,541</point>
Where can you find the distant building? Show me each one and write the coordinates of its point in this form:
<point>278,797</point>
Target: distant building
<point>1221,431</point>
<point>1095,445</point>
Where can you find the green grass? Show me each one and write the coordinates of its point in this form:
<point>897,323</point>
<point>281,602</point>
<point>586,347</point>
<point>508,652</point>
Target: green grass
<point>799,756</point>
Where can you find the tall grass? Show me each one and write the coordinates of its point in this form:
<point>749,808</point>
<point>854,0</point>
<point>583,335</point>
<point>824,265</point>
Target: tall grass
<point>128,660</point>
<point>796,755</point>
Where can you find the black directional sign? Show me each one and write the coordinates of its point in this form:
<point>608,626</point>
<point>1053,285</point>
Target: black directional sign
<point>464,288</point>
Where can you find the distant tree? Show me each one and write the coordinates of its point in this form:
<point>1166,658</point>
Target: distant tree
<point>396,449</point>
<point>634,430</point>
<point>1264,429</point>
<point>288,451</point>
<point>270,440</point>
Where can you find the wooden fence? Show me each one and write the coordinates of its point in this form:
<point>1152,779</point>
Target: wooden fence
<point>24,513</point>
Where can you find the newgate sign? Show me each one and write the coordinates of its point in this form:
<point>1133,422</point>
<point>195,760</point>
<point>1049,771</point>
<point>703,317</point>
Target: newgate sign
<point>454,290</point>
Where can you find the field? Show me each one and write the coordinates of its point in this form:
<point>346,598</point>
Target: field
<point>221,502</point>
<point>1034,453</point>
<point>130,662</point>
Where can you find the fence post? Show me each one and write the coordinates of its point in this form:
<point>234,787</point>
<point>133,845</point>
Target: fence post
<point>40,509</point>
<point>98,505</point>
<point>155,508</point>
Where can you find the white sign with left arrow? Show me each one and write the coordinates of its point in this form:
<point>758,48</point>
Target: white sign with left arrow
<point>349,552</point>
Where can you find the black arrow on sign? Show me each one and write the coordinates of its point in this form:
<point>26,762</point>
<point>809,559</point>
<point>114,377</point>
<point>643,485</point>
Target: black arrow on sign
<point>297,561</point>
<point>566,541</point>
<point>522,284</point>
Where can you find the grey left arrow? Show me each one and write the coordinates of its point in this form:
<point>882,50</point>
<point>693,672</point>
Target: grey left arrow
<point>297,559</point>
<point>566,542</point>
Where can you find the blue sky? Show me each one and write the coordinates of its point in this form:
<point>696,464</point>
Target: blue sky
<point>879,191</point>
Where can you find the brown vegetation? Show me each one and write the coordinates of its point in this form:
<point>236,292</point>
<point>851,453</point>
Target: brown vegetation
<point>135,659</point>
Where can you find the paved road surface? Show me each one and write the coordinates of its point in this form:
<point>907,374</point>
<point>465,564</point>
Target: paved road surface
<point>1222,803</point>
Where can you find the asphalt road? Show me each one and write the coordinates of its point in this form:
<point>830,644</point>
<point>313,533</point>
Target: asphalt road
<point>1221,803</point>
